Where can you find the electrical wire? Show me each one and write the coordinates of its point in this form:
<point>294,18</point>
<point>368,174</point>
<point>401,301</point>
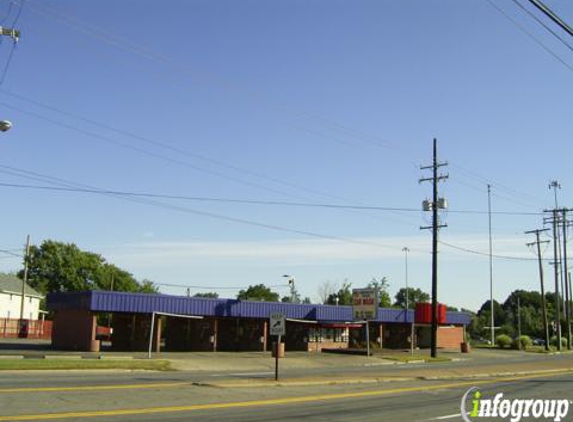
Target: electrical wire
<point>540,22</point>
<point>141,50</point>
<point>530,35</point>
<point>175,150</point>
<point>172,207</point>
<point>250,201</point>
<point>7,252</point>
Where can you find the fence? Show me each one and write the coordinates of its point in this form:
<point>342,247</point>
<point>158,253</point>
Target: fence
<point>27,328</point>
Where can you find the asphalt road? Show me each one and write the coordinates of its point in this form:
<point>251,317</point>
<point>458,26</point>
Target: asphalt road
<point>174,396</point>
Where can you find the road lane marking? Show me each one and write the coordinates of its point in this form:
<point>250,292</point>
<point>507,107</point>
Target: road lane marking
<point>92,387</point>
<point>268,402</point>
<point>441,418</point>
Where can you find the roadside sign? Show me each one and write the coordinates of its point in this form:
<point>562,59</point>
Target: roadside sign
<point>278,325</point>
<point>364,304</point>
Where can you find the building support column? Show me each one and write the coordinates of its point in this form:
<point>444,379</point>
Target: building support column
<point>158,334</point>
<point>215,333</point>
<point>265,339</point>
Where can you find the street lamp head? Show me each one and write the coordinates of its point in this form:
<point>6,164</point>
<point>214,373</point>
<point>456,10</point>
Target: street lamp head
<point>5,125</point>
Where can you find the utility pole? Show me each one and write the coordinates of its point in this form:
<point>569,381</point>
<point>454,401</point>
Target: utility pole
<point>405,249</point>
<point>557,323</point>
<point>543,305</point>
<point>554,184</point>
<point>436,203</point>
<point>565,274</point>
<point>492,319</point>
<point>518,317</point>
<point>25,279</point>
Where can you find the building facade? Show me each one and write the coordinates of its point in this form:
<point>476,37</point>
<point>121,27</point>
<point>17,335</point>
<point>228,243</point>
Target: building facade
<point>11,299</point>
<point>178,323</point>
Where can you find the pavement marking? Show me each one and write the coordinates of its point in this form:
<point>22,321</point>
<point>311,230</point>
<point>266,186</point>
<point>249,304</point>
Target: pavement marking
<point>92,387</point>
<point>440,418</point>
<point>267,402</point>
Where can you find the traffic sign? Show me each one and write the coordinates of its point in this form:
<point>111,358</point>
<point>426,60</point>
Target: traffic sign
<point>278,325</point>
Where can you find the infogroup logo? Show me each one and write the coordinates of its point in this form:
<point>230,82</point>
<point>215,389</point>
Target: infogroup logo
<point>513,409</point>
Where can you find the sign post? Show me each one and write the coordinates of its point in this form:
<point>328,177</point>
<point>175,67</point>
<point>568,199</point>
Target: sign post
<point>365,308</point>
<point>277,328</point>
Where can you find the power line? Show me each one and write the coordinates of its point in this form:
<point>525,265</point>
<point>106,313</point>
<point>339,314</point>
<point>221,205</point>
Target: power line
<point>540,22</point>
<point>140,50</point>
<point>172,207</point>
<point>552,16</point>
<point>172,149</point>
<point>248,201</point>
<point>530,35</point>
<point>7,252</point>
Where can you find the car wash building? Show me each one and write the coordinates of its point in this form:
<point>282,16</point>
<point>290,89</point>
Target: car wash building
<point>179,323</point>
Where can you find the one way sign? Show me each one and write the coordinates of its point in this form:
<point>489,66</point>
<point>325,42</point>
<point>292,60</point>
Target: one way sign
<point>277,327</point>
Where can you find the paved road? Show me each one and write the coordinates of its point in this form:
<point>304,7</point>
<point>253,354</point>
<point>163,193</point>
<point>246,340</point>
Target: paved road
<point>488,363</point>
<point>174,396</point>
<point>424,401</point>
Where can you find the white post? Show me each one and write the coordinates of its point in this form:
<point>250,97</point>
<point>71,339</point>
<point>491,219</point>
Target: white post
<point>151,334</point>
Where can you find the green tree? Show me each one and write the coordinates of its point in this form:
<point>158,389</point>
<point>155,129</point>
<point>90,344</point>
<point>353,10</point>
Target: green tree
<point>382,285</point>
<point>342,297</point>
<point>207,295</point>
<point>258,292</point>
<point>414,296</point>
<point>63,267</point>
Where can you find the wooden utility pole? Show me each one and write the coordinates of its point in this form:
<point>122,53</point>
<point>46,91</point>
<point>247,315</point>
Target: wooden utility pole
<point>436,204</point>
<point>543,304</point>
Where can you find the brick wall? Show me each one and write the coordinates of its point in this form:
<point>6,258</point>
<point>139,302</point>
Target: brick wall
<point>450,337</point>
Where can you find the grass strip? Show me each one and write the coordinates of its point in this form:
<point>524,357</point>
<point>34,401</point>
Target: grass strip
<point>66,364</point>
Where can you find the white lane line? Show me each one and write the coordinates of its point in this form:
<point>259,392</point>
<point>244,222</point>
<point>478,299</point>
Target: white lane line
<point>441,418</point>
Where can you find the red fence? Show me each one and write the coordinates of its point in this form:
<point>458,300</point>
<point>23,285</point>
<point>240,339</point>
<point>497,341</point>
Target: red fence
<point>27,328</point>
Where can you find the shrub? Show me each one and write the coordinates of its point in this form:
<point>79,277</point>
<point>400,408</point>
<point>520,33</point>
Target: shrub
<point>503,340</point>
<point>553,341</point>
<point>522,342</point>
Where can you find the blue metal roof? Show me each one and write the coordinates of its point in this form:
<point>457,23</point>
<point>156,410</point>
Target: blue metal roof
<point>105,301</point>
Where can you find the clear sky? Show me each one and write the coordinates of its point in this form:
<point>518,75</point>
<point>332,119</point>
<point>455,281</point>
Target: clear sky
<point>315,102</point>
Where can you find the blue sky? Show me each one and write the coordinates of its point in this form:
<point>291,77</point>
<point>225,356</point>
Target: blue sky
<point>329,102</point>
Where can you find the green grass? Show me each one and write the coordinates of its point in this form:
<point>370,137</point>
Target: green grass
<point>65,364</point>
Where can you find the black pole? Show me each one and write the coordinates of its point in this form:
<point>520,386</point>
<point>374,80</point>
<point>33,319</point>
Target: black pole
<point>277,349</point>
<point>435,253</point>
<point>556,271</point>
<point>565,275</point>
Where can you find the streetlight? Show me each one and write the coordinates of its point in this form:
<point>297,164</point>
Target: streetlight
<point>290,280</point>
<point>406,250</point>
<point>5,125</point>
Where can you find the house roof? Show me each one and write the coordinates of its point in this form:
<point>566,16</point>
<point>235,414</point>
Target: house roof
<point>11,284</point>
<point>106,301</point>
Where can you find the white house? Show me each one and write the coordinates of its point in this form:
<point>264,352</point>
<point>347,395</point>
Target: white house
<point>11,299</point>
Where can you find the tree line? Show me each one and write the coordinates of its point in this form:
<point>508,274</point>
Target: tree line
<point>511,319</point>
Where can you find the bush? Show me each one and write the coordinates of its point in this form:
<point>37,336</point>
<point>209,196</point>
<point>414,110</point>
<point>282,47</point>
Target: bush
<point>553,341</point>
<point>522,342</point>
<point>503,340</point>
